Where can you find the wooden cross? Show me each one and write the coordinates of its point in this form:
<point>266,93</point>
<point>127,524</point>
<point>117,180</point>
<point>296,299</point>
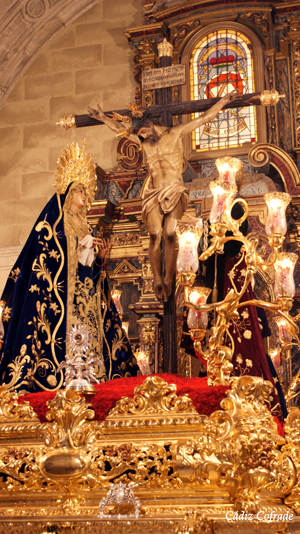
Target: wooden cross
<point>166,110</point>
<point>173,109</point>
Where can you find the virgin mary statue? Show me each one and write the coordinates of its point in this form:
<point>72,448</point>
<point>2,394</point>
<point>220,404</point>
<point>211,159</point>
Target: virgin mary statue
<point>58,284</point>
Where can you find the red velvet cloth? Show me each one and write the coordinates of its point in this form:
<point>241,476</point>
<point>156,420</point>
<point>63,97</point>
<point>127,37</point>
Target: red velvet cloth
<point>205,399</point>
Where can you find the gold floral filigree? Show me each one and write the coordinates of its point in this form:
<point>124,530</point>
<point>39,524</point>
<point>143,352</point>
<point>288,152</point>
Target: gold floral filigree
<point>6,314</point>
<point>41,271</point>
<point>34,288</point>
<point>42,323</point>
<point>148,465</point>
<point>119,342</point>
<point>16,367</point>
<point>14,274</point>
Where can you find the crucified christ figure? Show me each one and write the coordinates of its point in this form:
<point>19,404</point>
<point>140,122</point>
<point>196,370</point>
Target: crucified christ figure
<point>166,198</point>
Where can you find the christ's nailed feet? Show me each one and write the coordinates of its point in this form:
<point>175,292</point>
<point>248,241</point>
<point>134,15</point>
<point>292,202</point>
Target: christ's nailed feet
<point>160,292</point>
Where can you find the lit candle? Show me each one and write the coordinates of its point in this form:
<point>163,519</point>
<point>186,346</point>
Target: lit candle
<point>116,294</point>
<point>277,204</point>
<point>228,168</point>
<point>275,357</point>
<point>125,326</point>
<point>223,193</point>
<point>197,319</point>
<point>188,240</point>
<point>283,329</point>
<point>284,274</point>
<point>142,359</point>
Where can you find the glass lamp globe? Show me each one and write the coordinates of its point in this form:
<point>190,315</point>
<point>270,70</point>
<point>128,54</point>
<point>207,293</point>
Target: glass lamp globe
<point>284,274</point>
<point>276,220</point>
<point>223,193</point>
<point>198,319</point>
<point>188,240</point>
<point>228,168</point>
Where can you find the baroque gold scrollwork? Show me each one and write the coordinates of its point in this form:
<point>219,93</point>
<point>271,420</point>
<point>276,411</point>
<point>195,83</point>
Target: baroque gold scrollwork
<point>194,523</point>
<point>68,414</point>
<point>182,32</point>
<point>246,456</point>
<point>291,449</point>
<point>259,19</point>
<point>126,239</point>
<point>129,156</point>
<point>154,396</point>
<point>295,72</point>
<point>18,468</point>
<point>235,451</point>
<point>261,153</point>
<point>11,410</point>
<point>146,465</point>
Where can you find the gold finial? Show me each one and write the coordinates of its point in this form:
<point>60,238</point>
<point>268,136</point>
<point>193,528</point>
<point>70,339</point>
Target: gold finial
<point>270,98</point>
<point>67,121</point>
<point>73,164</point>
<point>165,49</point>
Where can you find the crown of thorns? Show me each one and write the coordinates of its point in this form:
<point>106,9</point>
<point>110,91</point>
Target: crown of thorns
<point>137,120</point>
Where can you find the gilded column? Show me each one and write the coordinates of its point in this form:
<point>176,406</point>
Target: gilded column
<point>294,38</point>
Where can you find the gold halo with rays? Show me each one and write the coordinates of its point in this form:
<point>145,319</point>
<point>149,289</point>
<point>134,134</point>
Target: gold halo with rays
<point>73,164</point>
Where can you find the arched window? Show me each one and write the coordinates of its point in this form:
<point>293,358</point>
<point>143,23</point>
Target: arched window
<point>222,58</point>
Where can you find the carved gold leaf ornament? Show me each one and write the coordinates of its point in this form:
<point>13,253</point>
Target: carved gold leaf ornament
<point>154,396</point>
<point>68,414</point>
<point>11,410</point>
<point>126,239</point>
<point>234,456</point>
<point>291,449</point>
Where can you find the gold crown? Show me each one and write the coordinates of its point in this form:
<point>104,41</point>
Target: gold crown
<point>75,164</point>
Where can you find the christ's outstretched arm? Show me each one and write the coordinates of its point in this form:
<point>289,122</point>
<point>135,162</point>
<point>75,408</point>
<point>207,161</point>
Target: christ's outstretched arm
<point>184,129</point>
<point>99,115</point>
<point>114,125</point>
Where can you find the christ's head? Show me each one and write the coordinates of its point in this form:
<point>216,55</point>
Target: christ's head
<point>144,128</point>
<point>148,134</point>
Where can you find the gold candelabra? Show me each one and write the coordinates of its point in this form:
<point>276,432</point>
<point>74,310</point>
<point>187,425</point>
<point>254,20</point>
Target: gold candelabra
<point>219,355</point>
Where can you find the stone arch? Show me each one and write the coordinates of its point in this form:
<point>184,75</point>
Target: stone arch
<point>26,26</point>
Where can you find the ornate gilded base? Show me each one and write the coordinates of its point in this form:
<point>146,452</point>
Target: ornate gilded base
<point>192,473</point>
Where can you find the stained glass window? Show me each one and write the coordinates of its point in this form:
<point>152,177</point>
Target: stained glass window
<point>222,61</point>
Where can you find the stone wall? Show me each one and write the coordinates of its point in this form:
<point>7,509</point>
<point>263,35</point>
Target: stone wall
<point>88,62</point>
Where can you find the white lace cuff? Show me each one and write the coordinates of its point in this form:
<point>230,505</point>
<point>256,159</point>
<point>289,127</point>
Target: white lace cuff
<point>87,254</point>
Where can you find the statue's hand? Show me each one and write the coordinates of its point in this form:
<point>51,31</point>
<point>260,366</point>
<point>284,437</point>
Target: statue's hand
<point>97,114</point>
<point>230,97</point>
<point>104,246</point>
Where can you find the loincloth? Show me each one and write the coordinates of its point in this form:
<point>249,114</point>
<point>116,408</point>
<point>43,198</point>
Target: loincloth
<point>167,198</point>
